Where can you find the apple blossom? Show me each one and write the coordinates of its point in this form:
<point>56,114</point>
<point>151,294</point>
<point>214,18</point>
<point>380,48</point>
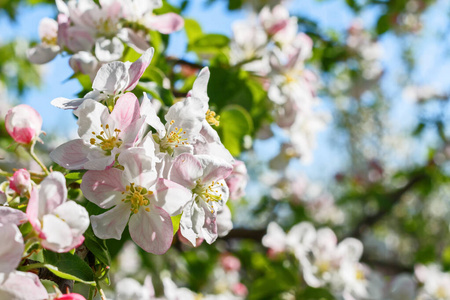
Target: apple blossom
<point>237,181</point>
<point>298,240</point>
<point>49,47</point>
<point>70,296</point>
<point>20,182</point>
<point>59,223</point>
<point>103,135</point>
<point>23,124</point>
<point>111,81</point>
<point>138,192</point>
<point>130,289</point>
<point>203,176</point>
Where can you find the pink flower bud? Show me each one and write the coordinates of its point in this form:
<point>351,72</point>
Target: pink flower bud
<point>239,289</point>
<point>185,241</point>
<point>71,296</point>
<point>230,262</point>
<point>23,123</point>
<point>20,182</point>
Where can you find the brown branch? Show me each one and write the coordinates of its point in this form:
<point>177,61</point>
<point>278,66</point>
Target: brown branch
<point>179,61</point>
<point>394,198</point>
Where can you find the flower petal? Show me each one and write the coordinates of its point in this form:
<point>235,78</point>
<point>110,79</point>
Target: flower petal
<point>153,230</point>
<point>52,193</point>
<point>22,285</point>
<point>71,155</point>
<point>171,196</point>
<point>108,49</point>
<point>12,247</point>
<point>103,188</point>
<point>75,215</point>
<point>186,169</point>
<point>111,78</point>
<point>166,23</point>
<point>42,54</point>
<point>126,110</point>
<point>58,235</point>
<point>111,224</point>
<point>139,167</point>
<point>214,168</point>
<point>192,221</point>
<point>138,67</point>
<point>10,215</point>
<point>90,114</point>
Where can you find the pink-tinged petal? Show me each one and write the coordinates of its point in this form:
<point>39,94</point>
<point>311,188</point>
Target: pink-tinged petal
<point>75,215</point>
<point>10,215</point>
<point>33,210</point>
<point>76,242</point>
<point>103,188</point>
<point>213,168</point>
<point>12,247</point>
<point>186,170</point>
<point>77,39</point>
<point>209,228</point>
<point>20,182</point>
<point>139,167</point>
<point>71,155</point>
<point>136,39</point>
<point>171,196</point>
<point>42,54</point>
<point>166,23</point>
<point>138,68</point>
<point>48,29</point>
<point>223,220</point>
<point>91,116</point>
<point>153,230</point>
<point>57,233</point>
<point>191,222</point>
<point>99,164</point>
<point>111,78</point>
<point>126,110</point>
<point>111,224</point>
<point>23,123</point>
<point>52,193</point>
<point>22,286</point>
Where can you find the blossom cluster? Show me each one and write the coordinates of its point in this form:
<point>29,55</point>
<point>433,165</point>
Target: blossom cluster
<point>144,171</point>
<point>270,46</point>
<point>97,33</point>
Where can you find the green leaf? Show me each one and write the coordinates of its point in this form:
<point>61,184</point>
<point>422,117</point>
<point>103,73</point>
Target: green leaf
<point>68,266</point>
<point>97,247</point>
<point>74,177</point>
<point>193,30</point>
<point>209,43</point>
<point>383,23</point>
<point>176,223</point>
<point>235,123</point>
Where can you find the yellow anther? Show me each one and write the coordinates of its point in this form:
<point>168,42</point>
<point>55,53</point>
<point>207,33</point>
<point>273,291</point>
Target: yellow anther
<point>211,118</point>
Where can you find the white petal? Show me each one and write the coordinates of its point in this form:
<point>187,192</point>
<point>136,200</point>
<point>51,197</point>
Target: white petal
<point>108,50</point>
<point>57,233</point>
<point>12,247</point>
<point>111,224</point>
<point>74,215</point>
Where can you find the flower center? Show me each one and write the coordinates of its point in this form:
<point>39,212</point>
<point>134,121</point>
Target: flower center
<point>172,139</point>
<point>137,196</point>
<point>107,140</point>
<point>208,193</point>
<point>50,40</point>
<point>211,118</point>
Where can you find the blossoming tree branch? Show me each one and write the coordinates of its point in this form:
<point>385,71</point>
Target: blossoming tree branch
<point>150,199</point>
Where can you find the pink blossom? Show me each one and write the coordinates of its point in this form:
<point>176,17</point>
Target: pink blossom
<point>203,176</point>
<point>138,192</point>
<point>59,223</point>
<point>230,262</point>
<point>70,296</point>
<point>237,181</point>
<point>20,182</point>
<point>102,135</point>
<point>239,289</point>
<point>23,123</point>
